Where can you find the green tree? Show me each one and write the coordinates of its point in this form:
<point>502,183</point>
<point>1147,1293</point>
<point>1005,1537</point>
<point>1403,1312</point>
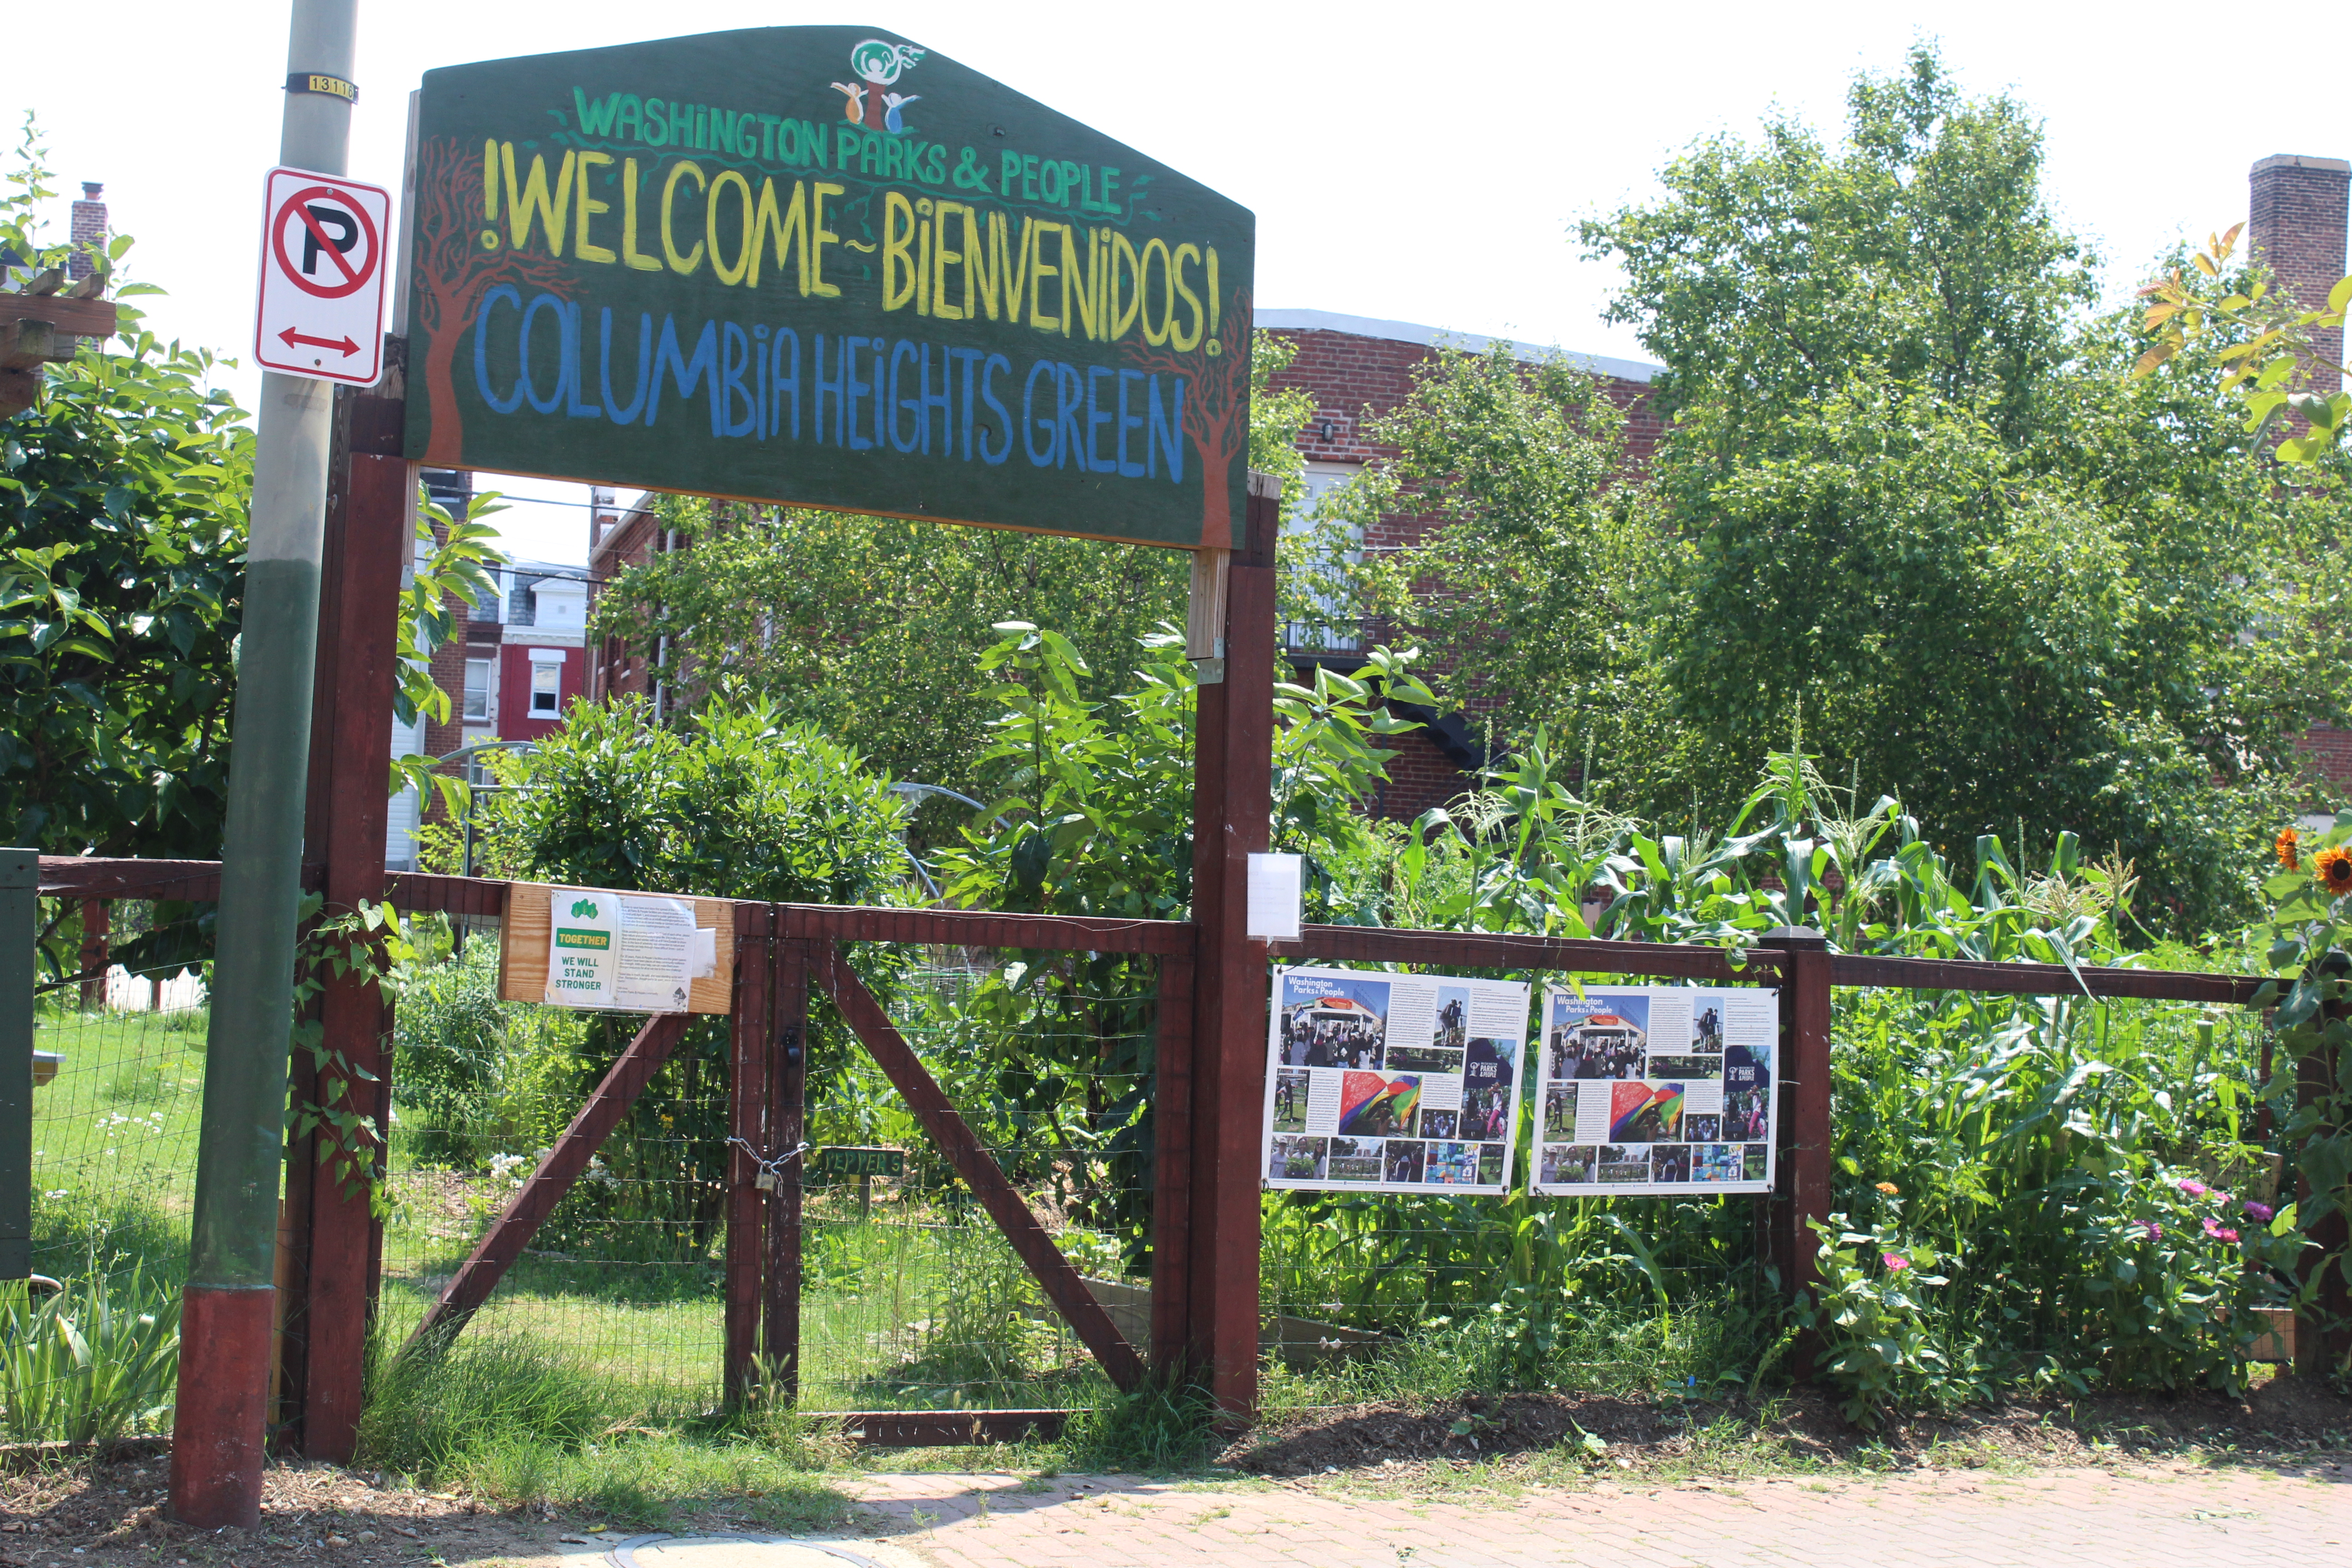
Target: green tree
<point>124,497</point>
<point>1921,250</point>
<point>737,803</point>
<point>1534,589</point>
<point>1914,498</point>
<point>868,627</point>
<point>122,514</point>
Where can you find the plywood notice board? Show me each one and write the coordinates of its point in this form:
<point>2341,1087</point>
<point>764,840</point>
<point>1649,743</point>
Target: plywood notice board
<point>523,940</point>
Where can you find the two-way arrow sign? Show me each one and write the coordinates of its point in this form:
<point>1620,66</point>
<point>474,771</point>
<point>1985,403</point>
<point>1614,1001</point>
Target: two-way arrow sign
<point>342,345</point>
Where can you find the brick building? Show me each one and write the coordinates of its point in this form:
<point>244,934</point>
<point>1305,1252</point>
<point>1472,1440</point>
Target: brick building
<point>2296,214</point>
<point>1356,368</point>
<point>618,540</point>
<point>523,660</point>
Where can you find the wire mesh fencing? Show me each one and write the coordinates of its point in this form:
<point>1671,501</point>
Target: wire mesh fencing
<point>1372,1294</point>
<point>119,1036</point>
<point>625,1275</point>
<point>2021,1149</point>
<point>911,1298</point>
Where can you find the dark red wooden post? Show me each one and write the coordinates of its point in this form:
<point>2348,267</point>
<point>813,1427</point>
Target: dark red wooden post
<point>751,1028</point>
<point>338,1240</point>
<point>1171,1173</point>
<point>1801,1183</point>
<point>1232,774</point>
<point>787,1124</point>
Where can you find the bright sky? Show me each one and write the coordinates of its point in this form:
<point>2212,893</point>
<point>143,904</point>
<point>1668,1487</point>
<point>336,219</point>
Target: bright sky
<point>1422,165</point>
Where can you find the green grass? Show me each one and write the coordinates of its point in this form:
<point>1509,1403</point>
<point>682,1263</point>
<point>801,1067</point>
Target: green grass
<point>918,1310</point>
<point>521,1423</point>
<point>114,1138</point>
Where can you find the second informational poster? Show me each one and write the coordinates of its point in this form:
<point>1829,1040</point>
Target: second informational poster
<point>1657,1090</point>
<point>1386,1083</point>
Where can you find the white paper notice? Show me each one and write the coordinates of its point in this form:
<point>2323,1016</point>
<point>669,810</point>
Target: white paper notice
<point>1273,898</point>
<point>657,957</point>
<point>584,931</point>
<point>624,953</point>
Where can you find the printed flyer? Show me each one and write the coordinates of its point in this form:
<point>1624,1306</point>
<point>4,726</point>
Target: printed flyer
<point>1383,1082</point>
<point>623,952</point>
<point>1660,1089</point>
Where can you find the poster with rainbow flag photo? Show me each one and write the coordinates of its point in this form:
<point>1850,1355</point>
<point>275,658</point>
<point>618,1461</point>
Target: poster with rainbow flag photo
<point>1656,1088</point>
<point>1384,1082</point>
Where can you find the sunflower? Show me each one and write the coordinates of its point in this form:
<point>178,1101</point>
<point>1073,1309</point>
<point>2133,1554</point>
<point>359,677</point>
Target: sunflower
<point>2286,847</point>
<point>2331,870</point>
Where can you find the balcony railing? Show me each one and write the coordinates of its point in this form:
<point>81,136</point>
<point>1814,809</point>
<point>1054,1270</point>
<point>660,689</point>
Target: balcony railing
<point>1322,636</point>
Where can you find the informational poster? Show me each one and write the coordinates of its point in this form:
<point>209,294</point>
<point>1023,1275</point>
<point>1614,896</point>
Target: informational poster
<point>623,952</point>
<point>1383,1082</point>
<point>1660,1089</point>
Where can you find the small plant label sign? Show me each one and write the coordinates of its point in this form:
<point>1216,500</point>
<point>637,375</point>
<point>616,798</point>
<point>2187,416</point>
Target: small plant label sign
<point>583,929</point>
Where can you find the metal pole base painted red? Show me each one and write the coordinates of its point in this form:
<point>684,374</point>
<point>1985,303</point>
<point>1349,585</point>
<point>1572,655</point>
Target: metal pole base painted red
<point>217,1429</point>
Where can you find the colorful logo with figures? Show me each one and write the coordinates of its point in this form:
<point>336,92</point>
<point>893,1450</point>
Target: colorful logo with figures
<point>879,65</point>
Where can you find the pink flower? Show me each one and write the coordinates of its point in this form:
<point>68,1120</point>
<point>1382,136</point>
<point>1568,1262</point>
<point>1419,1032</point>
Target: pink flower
<point>1895,1261</point>
<point>2195,1189</point>
<point>2258,1211</point>
<point>2151,1228</point>
<point>2220,1232</point>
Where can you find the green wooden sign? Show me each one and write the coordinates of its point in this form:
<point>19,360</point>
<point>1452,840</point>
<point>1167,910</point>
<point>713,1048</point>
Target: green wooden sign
<point>826,266</point>
<point>839,1161</point>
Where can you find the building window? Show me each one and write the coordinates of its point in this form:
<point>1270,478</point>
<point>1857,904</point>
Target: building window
<point>546,687</point>
<point>478,688</point>
<point>1328,625</point>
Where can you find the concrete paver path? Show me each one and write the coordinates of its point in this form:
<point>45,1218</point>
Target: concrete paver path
<point>2155,1517</point>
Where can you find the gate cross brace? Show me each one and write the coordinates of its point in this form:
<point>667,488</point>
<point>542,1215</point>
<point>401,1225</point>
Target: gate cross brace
<point>557,1171</point>
<point>1053,1272</point>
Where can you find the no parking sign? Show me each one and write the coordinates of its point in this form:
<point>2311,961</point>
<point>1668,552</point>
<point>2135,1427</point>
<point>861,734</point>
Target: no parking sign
<point>322,277</point>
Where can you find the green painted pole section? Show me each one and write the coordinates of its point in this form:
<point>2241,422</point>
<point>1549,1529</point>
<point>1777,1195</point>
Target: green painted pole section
<point>241,1149</point>
<point>20,925</point>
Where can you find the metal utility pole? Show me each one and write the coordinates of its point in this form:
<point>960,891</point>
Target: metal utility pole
<point>217,1434</point>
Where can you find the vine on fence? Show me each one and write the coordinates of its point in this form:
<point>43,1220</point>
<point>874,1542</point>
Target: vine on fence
<point>361,943</point>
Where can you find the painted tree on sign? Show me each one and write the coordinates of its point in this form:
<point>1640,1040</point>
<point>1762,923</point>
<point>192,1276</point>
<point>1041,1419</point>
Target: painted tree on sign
<point>458,261</point>
<point>1216,415</point>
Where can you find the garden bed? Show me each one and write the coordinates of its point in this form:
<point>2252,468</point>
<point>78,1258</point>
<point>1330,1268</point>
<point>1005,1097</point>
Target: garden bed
<point>1802,1429</point>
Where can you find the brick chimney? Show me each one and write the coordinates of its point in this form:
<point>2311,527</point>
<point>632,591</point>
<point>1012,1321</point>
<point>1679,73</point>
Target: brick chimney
<point>2295,221</point>
<point>88,232</point>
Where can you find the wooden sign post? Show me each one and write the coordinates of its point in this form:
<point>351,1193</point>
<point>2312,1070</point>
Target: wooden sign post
<point>820,266</point>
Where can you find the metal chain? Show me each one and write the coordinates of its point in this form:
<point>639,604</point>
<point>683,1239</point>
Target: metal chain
<point>770,1178</point>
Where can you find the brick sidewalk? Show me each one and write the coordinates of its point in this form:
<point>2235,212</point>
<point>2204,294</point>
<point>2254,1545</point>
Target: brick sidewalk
<point>2170,1518</point>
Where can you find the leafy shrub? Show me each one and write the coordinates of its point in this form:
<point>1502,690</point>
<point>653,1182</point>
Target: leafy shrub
<point>475,1077</point>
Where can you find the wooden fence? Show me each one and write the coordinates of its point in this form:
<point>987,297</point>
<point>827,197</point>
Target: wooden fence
<point>786,953</point>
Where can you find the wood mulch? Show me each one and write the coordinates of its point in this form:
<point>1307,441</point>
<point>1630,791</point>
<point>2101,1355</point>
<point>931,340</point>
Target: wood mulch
<point>72,1511</point>
<point>2281,1415</point>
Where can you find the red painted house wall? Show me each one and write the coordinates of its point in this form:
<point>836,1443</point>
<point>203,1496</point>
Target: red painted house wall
<point>516,721</point>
